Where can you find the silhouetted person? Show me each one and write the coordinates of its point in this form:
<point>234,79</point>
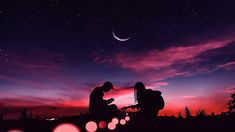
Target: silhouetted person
<point>98,105</point>
<point>150,102</point>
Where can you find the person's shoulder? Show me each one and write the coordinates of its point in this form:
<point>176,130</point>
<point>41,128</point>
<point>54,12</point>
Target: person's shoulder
<point>96,90</point>
<point>154,91</point>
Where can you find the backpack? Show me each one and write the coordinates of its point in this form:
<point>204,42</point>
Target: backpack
<point>156,99</point>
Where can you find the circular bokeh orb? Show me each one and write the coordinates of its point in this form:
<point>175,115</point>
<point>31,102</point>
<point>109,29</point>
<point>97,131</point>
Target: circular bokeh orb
<point>122,121</point>
<point>66,127</point>
<point>111,126</point>
<point>91,126</point>
<point>15,130</point>
<point>115,120</point>
<point>127,118</point>
<point>102,124</point>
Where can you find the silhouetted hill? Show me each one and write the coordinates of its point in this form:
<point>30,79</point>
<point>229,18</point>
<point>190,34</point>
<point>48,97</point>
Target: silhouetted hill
<point>212,123</point>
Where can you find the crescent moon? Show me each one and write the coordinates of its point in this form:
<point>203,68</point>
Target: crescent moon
<point>120,39</point>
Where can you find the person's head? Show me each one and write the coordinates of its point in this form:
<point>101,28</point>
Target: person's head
<point>139,86</point>
<point>107,86</point>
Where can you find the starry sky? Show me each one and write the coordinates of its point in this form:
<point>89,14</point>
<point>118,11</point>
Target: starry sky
<point>54,52</point>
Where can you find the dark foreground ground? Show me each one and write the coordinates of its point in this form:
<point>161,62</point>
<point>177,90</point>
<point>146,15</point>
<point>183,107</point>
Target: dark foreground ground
<point>162,124</point>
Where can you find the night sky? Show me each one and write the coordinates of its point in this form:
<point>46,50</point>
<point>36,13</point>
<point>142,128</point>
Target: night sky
<point>54,52</point>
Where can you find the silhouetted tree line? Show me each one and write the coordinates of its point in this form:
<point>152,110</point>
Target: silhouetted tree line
<point>27,116</point>
<point>187,112</point>
<point>202,113</point>
<point>180,115</point>
<point>231,104</point>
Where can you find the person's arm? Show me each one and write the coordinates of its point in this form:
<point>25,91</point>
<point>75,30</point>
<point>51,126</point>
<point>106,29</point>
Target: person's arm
<point>137,106</point>
<point>131,106</point>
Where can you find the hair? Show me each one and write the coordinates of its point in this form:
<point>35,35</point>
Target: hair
<point>135,95</point>
<point>139,86</point>
<point>108,84</point>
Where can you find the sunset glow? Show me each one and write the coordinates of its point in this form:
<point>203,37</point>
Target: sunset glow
<point>54,53</point>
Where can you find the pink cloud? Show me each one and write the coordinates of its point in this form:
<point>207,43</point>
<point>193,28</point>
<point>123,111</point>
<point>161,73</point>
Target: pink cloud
<point>28,101</point>
<point>162,83</point>
<point>157,60</point>
<point>188,97</point>
<point>154,85</point>
<point>154,65</point>
<point>76,103</point>
<point>228,90</point>
<point>119,92</point>
<point>226,65</point>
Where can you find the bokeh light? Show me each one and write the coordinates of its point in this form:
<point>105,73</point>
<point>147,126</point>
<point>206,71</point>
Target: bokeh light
<point>111,126</point>
<point>91,126</point>
<point>66,127</point>
<point>127,118</point>
<point>15,130</point>
<point>115,120</point>
<point>102,124</point>
<point>122,122</point>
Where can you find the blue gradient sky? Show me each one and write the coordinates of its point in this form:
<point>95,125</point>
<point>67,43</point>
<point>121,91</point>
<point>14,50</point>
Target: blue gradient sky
<point>52,54</point>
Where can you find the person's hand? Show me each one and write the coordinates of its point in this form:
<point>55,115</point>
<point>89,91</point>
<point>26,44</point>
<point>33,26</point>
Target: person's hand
<point>133,106</point>
<point>110,100</point>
